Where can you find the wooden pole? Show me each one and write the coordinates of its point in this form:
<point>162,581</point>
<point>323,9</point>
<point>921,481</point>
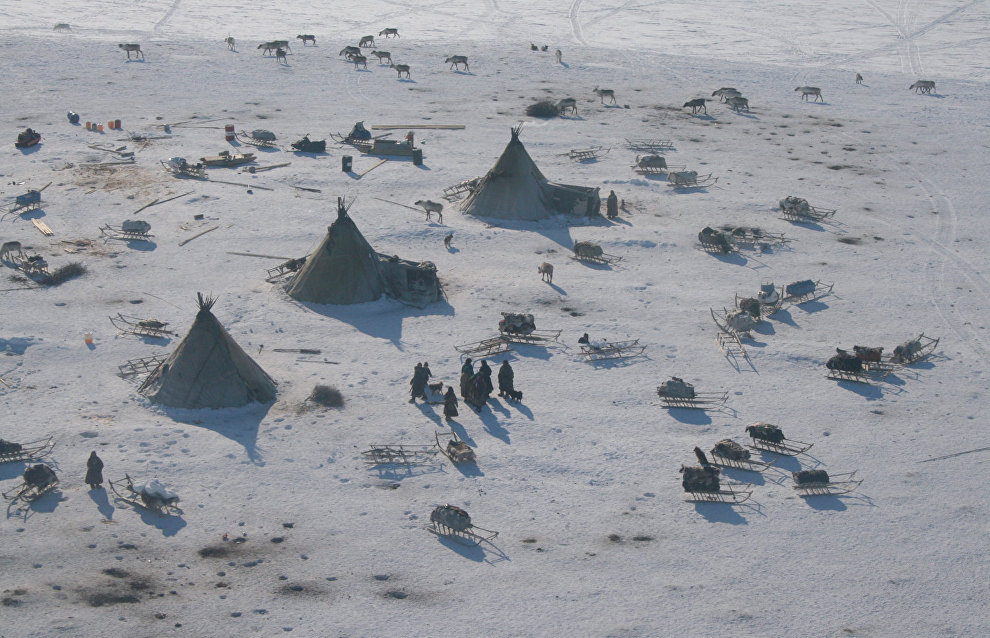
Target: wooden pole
<point>230,252</point>
<point>386,127</point>
<point>186,241</point>
<point>372,168</point>
<point>220,181</point>
<point>418,210</point>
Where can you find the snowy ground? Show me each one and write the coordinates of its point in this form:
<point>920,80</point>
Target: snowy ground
<point>581,478</point>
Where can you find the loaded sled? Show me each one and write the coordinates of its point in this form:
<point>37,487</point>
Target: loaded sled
<point>227,159</point>
<point>796,209</point>
<point>453,522</point>
<point>39,480</point>
<point>654,165</point>
<point>769,300</point>
<point>11,452</point>
<point>770,438</point>
<point>806,290</point>
<point>179,167</point>
<point>131,325</point>
<point>456,450</point>
<point>715,241</point>
<point>259,138</point>
<point>914,350</point>
<point>844,366</point>
<point>153,496</point>
<point>129,230</point>
<point>400,454</point>
<point>729,454</point>
<point>285,270</point>
<point>588,251</point>
<point>306,145</point>
<point>734,322</point>
<point>690,179</point>
<point>702,483</point>
<point>25,202</point>
<point>521,328</point>
<point>604,350</point>
<point>677,393</point>
<point>588,154</point>
<point>27,138</point>
<point>754,237</point>
<point>819,482</point>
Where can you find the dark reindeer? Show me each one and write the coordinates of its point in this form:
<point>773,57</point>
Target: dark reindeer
<point>400,69</point>
<point>382,56</point>
<point>696,104</point>
<point>280,55</point>
<point>348,52</point>
<point>367,41</point>
<point>389,31</point>
<point>136,48</point>
<point>359,59</point>
<point>229,41</point>
<point>307,38</point>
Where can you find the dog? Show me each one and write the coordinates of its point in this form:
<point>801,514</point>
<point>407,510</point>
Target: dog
<point>448,238</point>
<point>515,396</point>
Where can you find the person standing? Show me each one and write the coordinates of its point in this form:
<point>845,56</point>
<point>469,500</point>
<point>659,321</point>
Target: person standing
<point>506,377</point>
<point>612,205</point>
<point>467,372</point>
<point>94,471</point>
<point>486,375</point>
<point>449,404</point>
<point>418,383</point>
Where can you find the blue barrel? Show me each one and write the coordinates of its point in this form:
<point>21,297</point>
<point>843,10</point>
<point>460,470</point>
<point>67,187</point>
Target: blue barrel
<point>417,155</point>
<point>73,117</point>
<point>345,163</point>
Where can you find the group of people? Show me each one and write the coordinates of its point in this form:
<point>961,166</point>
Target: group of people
<point>476,387</point>
<point>421,377</point>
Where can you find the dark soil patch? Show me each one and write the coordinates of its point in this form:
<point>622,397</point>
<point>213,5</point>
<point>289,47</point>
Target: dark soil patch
<point>215,551</point>
<point>396,594</point>
<point>643,538</point>
<point>105,599</point>
<point>116,572</point>
<point>615,538</point>
<point>854,241</point>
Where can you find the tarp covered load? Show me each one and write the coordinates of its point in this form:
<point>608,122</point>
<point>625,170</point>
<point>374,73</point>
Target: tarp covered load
<point>765,432</point>
<point>408,281</point>
<point>40,476</point>
<point>676,388</point>
<point>516,323</point>
<point>800,288</point>
<point>729,449</point>
<point>208,370</point>
<point>806,477</point>
<point>9,447</point>
<point>343,270</point>
<point>700,478</point>
<point>516,189</point>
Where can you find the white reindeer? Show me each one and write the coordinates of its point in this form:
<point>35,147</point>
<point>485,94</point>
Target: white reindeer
<point>546,272</point>
<point>136,48</point>
<point>605,93</point>
<point>810,90</point>
<point>383,56</point>
<point>11,251</point>
<point>431,207</point>
<point>567,104</point>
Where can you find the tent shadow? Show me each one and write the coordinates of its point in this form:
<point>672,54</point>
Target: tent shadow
<point>240,425</point>
<point>381,319</point>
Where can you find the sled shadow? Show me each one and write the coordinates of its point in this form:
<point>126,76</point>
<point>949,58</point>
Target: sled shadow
<point>13,470</point>
<point>45,504</point>
<point>812,306</point>
<point>140,245</point>
<point>237,424</point>
<point>30,149</point>
<point>690,416</point>
<point>469,470</point>
<point>168,525</point>
<point>784,316</point>
<point>825,502</point>
<point>400,471</point>
<point>731,258</point>
<point>744,476</point>
<point>16,345</point>
<point>807,223</point>
<point>764,328</point>
<point>720,513</point>
<point>868,391</point>
<point>102,500</point>
<point>470,552</point>
<point>783,463</point>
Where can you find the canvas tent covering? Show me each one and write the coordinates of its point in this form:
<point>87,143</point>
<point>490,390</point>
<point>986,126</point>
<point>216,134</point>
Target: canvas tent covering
<point>208,370</point>
<point>345,269</point>
<point>515,189</point>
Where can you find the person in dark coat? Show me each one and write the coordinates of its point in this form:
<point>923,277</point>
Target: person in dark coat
<point>426,370</point>
<point>467,372</point>
<point>486,374</point>
<point>584,339</point>
<point>612,205</point>
<point>505,380</point>
<point>94,471</point>
<point>477,392</point>
<point>449,404</point>
<point>418,383</point>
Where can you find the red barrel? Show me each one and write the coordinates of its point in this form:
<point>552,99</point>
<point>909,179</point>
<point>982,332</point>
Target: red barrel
<point>228,132</point>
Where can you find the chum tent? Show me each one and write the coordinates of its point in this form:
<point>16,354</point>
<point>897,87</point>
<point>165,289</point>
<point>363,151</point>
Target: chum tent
<point>515,189</point>
<point>345,269</point>
<point>208,370</point>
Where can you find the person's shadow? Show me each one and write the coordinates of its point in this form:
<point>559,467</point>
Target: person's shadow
<point>99,496</point>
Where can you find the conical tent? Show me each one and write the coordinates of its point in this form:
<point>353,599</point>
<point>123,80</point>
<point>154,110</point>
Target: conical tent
<point>208,370</point>
<point>516,189</point>
<point>343,270</point>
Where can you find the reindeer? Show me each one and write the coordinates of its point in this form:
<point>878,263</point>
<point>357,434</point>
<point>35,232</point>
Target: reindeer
<point>695,104</point>
<point>810,90</point>
<point>447,240</point>
<point>382,56</point>
<point>431,207</point>
<point>280,55</point>
<point>136,48</point>
<point>307,38</point>
<point>605,93</point>
<point>400,69</point>
<point>737,103</point>
<point>859,79</point>
<point>61,26</point>
<point>546,272</point>
<point>725,92</point>
<point>560,56</point>
<point>367,41</point>
<point>11,251</point>
<point>359,59</point>
<point>456,60</point>
<point>348,52</point>
<point>229,41</point>
<point>923,86</point>
<point>268,47</point>
<point>568,103</point>
<point>389,31</point>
